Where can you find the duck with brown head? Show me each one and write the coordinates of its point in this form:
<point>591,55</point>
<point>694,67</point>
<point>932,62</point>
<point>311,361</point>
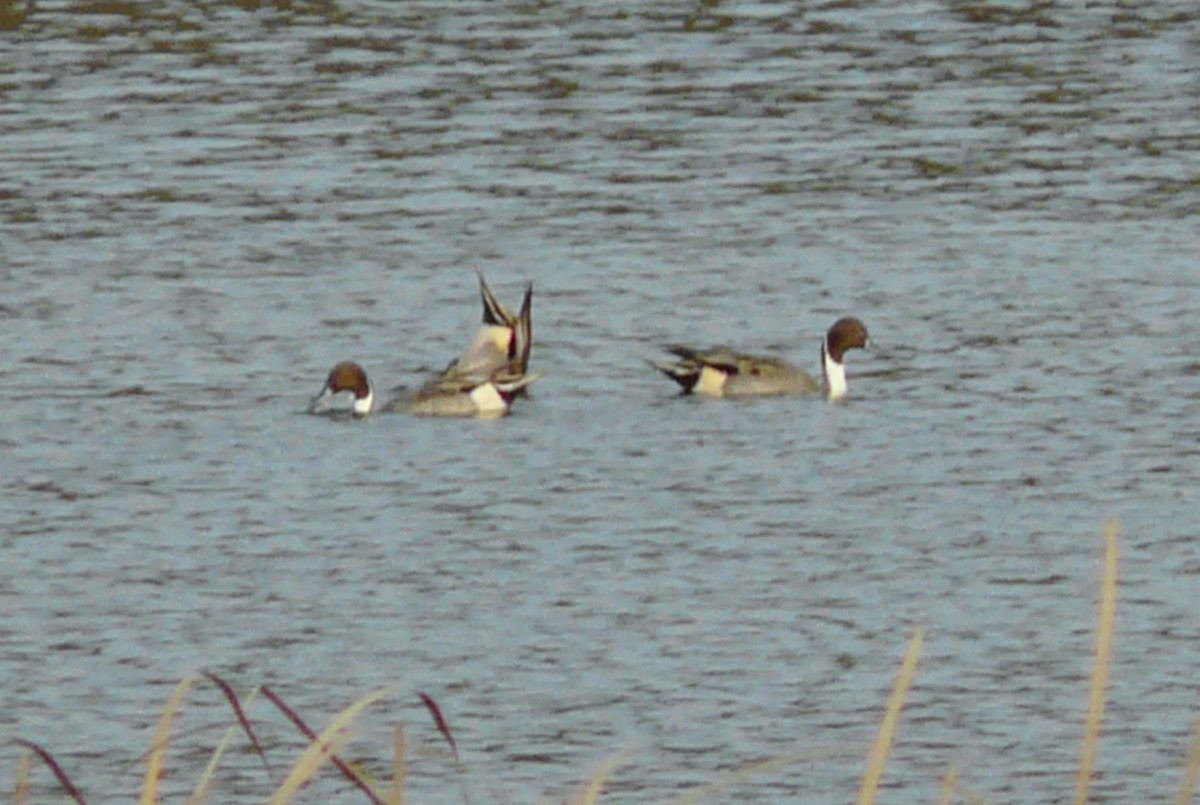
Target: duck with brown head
<point>346,391</point>
<point>482,381</point>
<point>721,372</point>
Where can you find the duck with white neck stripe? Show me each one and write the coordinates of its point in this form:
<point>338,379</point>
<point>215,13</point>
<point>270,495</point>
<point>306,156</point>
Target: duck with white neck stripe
<point>721,372</point>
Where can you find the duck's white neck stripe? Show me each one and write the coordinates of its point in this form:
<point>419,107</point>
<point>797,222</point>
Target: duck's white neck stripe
<point>362,405</point>
<point>835,374</point>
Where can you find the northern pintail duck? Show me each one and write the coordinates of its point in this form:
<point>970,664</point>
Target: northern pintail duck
<point>481,382</point>
<point>721,372</point>
<point>484,394</point>
<point>346,391</point>
<point>490,372</point>
<point>503,340</point>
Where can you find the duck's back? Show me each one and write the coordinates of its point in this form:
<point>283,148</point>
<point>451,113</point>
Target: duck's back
<point>762,374</point>
<point>727,373</point>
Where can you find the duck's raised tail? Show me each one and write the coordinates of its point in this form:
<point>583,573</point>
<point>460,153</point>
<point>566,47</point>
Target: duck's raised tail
<point>686,373</point>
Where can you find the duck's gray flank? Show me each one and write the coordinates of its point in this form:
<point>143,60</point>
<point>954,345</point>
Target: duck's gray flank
<point>722,372</point>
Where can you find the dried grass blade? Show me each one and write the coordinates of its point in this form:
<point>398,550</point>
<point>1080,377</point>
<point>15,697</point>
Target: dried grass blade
<point>1100,665</point>
<point>21,787</point>
<point>234,703</point>
<point>701,792</point>
<point>309,764</point>
<point>1192,770</point>
<point>951,786</point>
<point>440,722</point>
<point>948,781</point>
<point>291,714</point>
<point>971,797</point>
<point>883,741</point>
<point>161,739</point>
<point>210,770</point>
<point>591,793</point>
<point>308,733</point>
<point>339,763</point>
<point>56,769</point>
<point>396,790</point>
<point>324,748</point>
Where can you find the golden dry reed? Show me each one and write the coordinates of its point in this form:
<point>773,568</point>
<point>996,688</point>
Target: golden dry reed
<point>591,793</point>
<point>700,792</point>
<point>21,790</point>
<point>951,786</point>
<point>162,736</point>
<point>968,795</point>
<point>1192,771</point>
<point>396,790</point>
<point>948,781</point>
<point>883,741</point>
<point>323,748</point>
<point>1100,665</point>
<point>198,796</point>
<point>319,751</point>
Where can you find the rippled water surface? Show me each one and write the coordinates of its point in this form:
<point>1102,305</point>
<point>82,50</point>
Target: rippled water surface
<point>205,205</point>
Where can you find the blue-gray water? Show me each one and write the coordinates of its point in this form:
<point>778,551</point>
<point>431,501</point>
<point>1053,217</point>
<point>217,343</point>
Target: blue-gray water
<point>204,206</point>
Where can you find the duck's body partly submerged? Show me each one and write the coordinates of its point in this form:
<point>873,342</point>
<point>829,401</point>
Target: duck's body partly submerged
<point>493,368</point>
<point>348,392</point>
<point>722,372</point>
<point>480,382</point>
<point>458,393</point>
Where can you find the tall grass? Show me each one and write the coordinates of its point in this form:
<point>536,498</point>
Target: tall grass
<point>162,735</point>
<point>1100,665</point>
<point>887,728</point>
<point>1192,770</point>
<point>324,749</point>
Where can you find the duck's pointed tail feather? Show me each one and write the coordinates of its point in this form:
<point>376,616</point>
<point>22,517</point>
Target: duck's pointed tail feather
<point>684,374</point>
<point>494,313</point>
<point>524,331</point>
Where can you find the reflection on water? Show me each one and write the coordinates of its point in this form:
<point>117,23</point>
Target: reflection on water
<point>204,206</point>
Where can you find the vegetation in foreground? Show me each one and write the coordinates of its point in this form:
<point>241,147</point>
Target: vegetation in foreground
<point>326,747</point>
